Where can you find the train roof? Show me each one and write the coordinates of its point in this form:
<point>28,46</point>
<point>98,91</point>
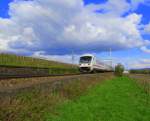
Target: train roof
<point>88,55</point>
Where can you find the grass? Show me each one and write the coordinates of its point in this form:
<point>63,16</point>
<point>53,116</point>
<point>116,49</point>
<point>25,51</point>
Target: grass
<point>33,105</point>
<point>14,60</point>
<point>29,106</point>
<point>117,100</point>
<point>22,61</point>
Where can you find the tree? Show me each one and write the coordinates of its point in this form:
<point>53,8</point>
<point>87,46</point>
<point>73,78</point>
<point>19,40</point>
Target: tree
<point>119,69</point>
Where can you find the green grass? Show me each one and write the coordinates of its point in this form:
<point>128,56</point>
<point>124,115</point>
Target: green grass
<point>31,105</point>
<point>91,99</point>
<point>21,61</point>
<point>14,60</point>
<point>116,100</point>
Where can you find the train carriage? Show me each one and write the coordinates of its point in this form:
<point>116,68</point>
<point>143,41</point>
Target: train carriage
<point>89,63</point>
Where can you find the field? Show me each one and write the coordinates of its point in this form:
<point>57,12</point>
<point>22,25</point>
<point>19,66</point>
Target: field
<point>117,100</point>
<point>14,60</point>
<point>102,97</point>
<point>34,66</point>
<point>32,104</point>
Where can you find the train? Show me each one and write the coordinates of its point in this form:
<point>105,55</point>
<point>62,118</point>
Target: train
<point>89,63</point>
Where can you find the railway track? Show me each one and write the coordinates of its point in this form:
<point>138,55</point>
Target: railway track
<point>13,72</point>
<point>6,77</point>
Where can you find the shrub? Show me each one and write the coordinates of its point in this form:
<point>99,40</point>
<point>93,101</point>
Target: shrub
<point>119,69</point>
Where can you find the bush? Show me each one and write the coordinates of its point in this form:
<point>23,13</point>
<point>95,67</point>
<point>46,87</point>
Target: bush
<point>119,69</point>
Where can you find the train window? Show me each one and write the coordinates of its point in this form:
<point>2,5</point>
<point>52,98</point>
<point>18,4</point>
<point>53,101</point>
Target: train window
<point>85,59</point>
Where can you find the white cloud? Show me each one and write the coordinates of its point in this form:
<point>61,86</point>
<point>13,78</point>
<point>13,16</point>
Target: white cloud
<point>141,63</point>
<point>147,29</point>
<point>136,3</point>
<point>115,7</point>
<point>73,59</point>
<point>145,49</point>
<point>58,27</point>
<point>146,61</point>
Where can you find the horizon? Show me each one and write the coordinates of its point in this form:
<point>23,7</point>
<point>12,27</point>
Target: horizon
<point>54,30</point>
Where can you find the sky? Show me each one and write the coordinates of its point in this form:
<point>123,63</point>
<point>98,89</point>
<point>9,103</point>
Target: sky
<point>55,29</point>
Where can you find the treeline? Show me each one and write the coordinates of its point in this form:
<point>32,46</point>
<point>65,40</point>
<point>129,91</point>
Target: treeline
<point>140,71</point>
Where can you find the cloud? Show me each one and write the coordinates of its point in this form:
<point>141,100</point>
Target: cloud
<point>145,49</point>
<point>58,27</point>
<point>111,7</point>
<point>141,63</point>
<point>136,3</point>
<point>73,59</point>
<point>147,29</point>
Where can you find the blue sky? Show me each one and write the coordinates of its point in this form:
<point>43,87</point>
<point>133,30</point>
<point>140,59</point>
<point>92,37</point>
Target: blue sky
<point>94,1</point>
<point>4,8</point>
<point>144,10</point>
<point>90,26</point>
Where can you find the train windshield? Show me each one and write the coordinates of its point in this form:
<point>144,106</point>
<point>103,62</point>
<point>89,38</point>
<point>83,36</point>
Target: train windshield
<point>85,59</point>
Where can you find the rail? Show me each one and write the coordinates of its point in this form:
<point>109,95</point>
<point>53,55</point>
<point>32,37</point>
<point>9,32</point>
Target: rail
<point>2,77</point>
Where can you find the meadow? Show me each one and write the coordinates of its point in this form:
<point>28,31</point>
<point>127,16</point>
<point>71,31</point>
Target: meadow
<point>120,99</point>
<point>117,99</point>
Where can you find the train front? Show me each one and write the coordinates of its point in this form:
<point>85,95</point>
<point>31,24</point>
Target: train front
<point>85,63</point>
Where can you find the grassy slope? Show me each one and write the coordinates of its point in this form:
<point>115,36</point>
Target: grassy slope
<point>117,100</point>
<point>13,60</point>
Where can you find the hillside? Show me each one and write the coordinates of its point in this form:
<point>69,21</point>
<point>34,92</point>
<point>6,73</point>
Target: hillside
<point>14,60</point>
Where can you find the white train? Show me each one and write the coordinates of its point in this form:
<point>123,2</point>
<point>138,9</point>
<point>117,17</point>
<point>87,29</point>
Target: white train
<point>89,63</point>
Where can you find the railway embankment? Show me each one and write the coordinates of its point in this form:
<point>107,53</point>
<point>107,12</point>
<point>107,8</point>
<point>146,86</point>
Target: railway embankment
<point>30,98</point>
<point>20,71</point>
<point>88,97</point>
<point>12,87</point>
<point>13,66</point>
